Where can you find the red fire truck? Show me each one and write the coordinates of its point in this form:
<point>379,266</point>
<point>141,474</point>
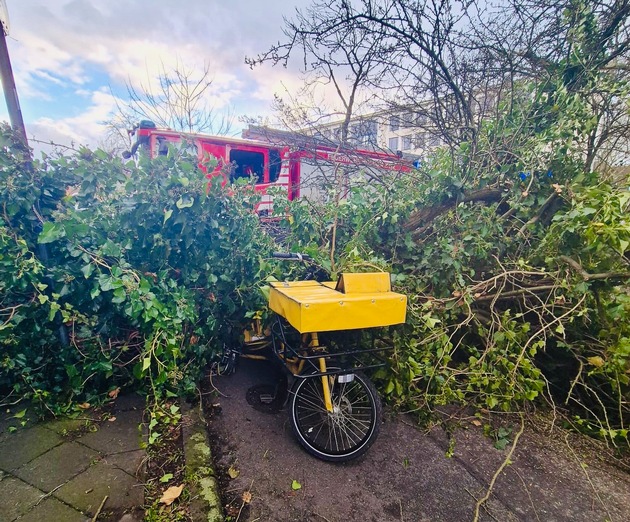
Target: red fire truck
<point>272,163</point>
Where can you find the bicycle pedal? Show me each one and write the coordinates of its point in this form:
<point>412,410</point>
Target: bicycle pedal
<point>266,398</point>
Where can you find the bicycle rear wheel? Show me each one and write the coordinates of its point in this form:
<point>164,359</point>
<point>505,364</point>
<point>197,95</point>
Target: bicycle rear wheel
<point>349,430</point>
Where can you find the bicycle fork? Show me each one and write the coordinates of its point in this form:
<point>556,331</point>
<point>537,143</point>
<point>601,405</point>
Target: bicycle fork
<point>322,368</point>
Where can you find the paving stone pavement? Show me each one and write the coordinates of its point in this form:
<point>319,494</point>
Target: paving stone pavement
<point>61,470</point>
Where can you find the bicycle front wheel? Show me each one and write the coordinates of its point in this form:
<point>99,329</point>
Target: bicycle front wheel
<point>349,430</point>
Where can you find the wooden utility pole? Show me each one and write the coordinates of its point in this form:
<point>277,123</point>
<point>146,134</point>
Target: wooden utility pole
<point>8,82</point>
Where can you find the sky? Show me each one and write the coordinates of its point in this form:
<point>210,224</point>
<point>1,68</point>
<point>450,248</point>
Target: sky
<point>72,59</point>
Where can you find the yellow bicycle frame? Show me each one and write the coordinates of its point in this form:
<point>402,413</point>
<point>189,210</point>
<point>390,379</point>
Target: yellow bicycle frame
<point>325,378</point>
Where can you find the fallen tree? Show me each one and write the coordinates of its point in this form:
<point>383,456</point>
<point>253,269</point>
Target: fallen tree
<point>513,247</point>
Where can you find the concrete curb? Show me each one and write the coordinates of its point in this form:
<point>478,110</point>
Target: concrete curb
<point>205,504</point>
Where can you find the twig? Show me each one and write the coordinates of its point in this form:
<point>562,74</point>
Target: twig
<point>243,503</point>
<point>240,511</point>
<point>215,388</point>
<point>484,507</point>
<point>514,293</point>
<point>503,465</point>
<point>201,415</point>
<point>566,440</point>
<point>48,494</point>
<point>590,277</point>
<point>98,511</point>
<point>541,211</point>
<point>54,144</point>
<point>528,495</point>
<point>577,378</point>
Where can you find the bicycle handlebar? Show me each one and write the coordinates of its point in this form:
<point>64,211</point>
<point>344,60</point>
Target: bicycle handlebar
<point>292,256</point>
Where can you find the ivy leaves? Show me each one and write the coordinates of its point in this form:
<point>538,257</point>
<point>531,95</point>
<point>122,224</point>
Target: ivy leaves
<point>139,261</point>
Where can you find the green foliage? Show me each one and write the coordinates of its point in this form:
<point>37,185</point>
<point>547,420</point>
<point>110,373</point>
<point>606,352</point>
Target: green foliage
<point>499,315</point>
<point>117,274</point>
<point>513,252</point>
<point>596,227</point>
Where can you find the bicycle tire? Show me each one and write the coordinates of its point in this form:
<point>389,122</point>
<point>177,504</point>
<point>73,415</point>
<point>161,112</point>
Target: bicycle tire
<point>349,431</point>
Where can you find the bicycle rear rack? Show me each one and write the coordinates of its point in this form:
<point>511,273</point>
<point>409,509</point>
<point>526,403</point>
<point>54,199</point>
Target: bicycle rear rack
<point>344,360</point>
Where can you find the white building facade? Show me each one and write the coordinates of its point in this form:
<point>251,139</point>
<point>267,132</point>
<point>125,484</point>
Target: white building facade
<point>404,133</point>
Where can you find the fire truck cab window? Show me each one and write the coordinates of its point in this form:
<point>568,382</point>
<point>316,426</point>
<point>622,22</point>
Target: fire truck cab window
<point>247,163</point>
<point>162,147</point>
<point>275,162</point>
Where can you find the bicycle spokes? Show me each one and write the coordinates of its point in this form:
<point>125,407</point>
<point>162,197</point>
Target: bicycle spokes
<point>345,431</point>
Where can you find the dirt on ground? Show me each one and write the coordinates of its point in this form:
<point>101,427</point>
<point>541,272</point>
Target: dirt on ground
<point>409,474</point>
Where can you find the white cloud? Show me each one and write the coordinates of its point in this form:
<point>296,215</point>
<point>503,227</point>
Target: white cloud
<point>83,129</point>
<point>33,58</point>
<point>89,46</point>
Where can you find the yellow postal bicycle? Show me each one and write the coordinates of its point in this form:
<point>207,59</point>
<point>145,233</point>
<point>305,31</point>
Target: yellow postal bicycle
<point>318,335</point>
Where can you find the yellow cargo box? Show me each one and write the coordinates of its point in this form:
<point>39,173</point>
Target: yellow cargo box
<point>354,301</point>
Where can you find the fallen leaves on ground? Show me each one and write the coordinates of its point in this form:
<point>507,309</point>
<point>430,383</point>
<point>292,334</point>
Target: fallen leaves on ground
<point>295,485</point>
<point>247,497</point>
<point>114,393</point>
<point>171,494</point>
<point>233,472</point>
<point>19,414</point>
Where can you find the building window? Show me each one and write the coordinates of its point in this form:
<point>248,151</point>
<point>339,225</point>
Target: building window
<point>421,140</point>
<point>433,141</point>
<point>394,122</point>
<point>408,120</point>
<point>364,133</point>
<point>393,144</point>
<point>407,142</point>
